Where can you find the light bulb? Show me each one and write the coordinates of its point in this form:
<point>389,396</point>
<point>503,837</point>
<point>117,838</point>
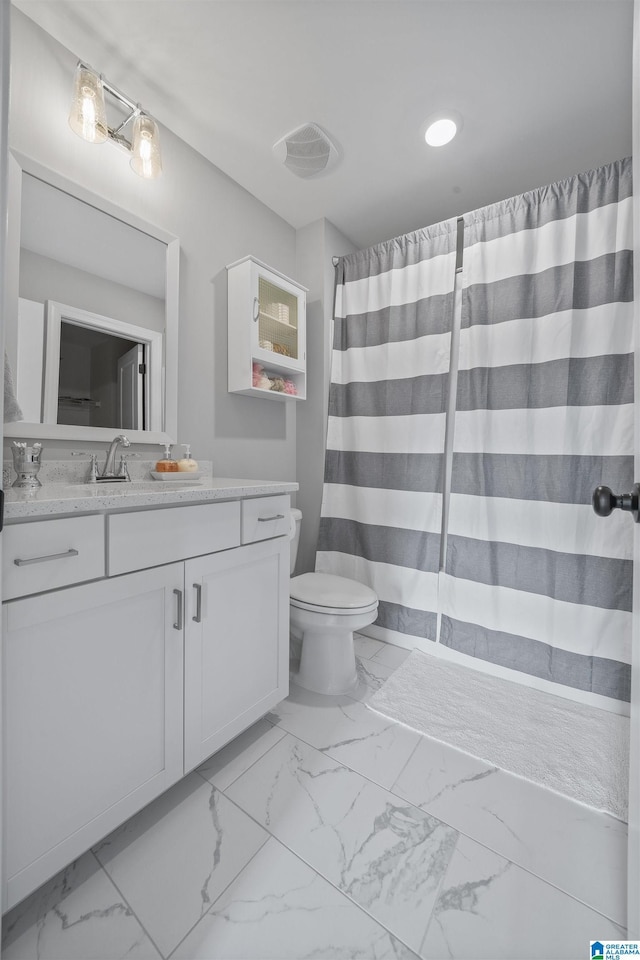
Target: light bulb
<point>441,132</point>
<point>145,147</point>
<point>88,117</point>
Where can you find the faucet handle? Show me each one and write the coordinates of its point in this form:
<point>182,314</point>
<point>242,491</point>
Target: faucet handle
<point>93,461</point>
<point>123,470</point>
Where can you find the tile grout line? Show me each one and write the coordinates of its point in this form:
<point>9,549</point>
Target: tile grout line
<point>342,893</point>
<point>233,879</point>
<point>251,765</point>
<point>124,900</point>
<point>409,758</point>
<point>463,833</point>
<point>375,784</point>
<point>460,832</point>
<point>497,853</point>
<point>437,897</point>
<point>298,856</point>
<point>172,951</point>
<point>363,656</point>
<point>323,751</point>
<point>393,646</point>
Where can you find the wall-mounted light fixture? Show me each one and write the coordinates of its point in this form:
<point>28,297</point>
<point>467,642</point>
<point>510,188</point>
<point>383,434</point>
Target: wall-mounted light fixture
<point>88,118</point>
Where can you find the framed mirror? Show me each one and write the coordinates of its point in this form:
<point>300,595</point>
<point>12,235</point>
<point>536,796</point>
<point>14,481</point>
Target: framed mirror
<point>92,342</point>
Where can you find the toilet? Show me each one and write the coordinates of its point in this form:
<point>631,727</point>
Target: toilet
<point>325,610</point>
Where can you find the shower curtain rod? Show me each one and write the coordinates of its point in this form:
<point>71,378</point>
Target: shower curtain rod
<point>336,261</point>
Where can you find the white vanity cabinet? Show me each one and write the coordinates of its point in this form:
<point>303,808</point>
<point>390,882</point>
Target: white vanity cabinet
<point>42,556</point>
<point>266,332</point>
<point>116,688</point>
<point>236,656</point>
<point>92,716</point>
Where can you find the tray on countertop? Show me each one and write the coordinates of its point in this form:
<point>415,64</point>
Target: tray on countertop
<point>178,476</point>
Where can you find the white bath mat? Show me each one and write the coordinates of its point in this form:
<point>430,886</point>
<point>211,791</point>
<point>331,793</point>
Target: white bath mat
<point>577,750</point>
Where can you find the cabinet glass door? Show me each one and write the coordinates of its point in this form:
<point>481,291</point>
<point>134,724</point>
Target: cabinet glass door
<point>277,320</point>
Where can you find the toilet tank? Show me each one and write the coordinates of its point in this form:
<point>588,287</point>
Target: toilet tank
<point>294,536</point>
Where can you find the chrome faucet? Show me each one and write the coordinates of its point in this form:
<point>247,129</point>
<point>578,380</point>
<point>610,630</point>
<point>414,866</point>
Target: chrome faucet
<point>108,472</point>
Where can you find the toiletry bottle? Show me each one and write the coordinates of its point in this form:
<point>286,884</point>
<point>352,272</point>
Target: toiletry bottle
<point>187,465</point>
<point>167,464</point>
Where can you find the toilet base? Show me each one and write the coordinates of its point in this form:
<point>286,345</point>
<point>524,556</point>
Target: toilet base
<point>327,662</point>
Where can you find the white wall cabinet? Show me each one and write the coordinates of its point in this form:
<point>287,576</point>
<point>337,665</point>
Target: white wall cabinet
<point>267,319</point>
<point>114,689</point>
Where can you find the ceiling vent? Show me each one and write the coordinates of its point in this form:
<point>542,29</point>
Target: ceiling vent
<point>307,151</point>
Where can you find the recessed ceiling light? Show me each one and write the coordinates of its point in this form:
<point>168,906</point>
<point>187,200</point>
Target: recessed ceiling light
<point>441,132</point>
<point>441,127</point>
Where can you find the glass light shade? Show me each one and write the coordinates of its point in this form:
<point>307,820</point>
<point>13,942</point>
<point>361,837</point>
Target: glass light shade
<point>145,148</point>
<point>88,117</point>
<point>441,132</point>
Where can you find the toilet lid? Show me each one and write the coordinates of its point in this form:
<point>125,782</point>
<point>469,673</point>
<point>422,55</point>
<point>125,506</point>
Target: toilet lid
<point>326,590</point>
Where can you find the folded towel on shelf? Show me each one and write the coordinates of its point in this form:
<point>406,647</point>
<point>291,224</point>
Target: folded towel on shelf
<point>12,409</point>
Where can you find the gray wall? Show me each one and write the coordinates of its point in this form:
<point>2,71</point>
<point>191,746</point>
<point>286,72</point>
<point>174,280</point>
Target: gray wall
<point>317,244</point>
<point>44,279</point>
<point>217,222</point>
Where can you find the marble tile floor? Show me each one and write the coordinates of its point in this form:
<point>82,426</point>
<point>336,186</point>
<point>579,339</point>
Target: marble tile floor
<point>327,831</point>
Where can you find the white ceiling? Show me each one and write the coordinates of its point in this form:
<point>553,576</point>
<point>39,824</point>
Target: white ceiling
<point>543,86</point>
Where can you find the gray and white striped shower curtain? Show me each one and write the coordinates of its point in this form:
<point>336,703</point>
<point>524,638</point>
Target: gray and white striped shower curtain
<point>382,502</point>
<point>532,580</point>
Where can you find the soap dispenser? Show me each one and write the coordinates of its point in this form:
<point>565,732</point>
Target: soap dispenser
<point>167,464</point>
<point>186,464</point>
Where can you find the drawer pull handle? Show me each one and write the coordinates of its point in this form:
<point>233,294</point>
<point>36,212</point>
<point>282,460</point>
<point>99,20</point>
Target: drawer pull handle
<point>276,516</point>
<point>52,556</point>
<point>178,624</point>
<point>198,615</point>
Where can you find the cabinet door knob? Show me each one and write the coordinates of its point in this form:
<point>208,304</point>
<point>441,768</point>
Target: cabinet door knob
<point>276,516</point>
<point>256,309</point>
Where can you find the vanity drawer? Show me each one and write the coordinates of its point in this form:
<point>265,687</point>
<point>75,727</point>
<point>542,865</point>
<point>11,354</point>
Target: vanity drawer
<point>148,538</point>
<point>265,517</point>
<point>47,554</point>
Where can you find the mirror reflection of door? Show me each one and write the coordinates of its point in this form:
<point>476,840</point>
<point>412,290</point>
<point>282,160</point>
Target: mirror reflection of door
<point>131,376</point>
<point>101,380</point>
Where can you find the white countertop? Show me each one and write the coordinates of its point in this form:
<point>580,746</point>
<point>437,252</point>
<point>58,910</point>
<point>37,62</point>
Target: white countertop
<point>62,499</point>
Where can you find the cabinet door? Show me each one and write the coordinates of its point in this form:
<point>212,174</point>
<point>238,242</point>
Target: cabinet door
<point>236,643</point>
<point>92,716</point>
<point>280,320</point>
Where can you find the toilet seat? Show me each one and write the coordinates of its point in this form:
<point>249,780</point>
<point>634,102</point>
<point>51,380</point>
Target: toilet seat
<point>326,593</point>
<point>333,611</point>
